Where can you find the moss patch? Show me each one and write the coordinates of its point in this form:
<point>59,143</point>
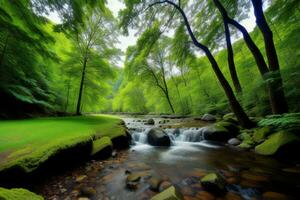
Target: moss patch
<point>261,134</point>
<point>25,144</point>
<point>274,142</point>
<point>18,194</point>
<point>100,144</point>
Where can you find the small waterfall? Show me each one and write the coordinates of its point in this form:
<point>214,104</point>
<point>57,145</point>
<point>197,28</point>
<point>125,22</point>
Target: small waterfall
<point>175,135</point>
<point>140,137</point>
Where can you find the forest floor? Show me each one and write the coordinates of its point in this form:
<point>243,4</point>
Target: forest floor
<point>27,143</point>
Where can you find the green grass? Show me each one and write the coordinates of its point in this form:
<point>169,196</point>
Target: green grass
<point>18,194</point>
<point>27,143</point>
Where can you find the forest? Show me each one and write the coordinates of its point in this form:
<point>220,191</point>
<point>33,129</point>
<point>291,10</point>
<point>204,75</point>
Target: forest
<point>111,75</point>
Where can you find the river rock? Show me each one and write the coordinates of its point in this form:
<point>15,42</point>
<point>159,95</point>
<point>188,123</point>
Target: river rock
<point>164,185</point>
<point>234,141</point>
<point>169,194</point>
<point>132,181</point>
<point>158,137</point>
<point>87,192</point>
<point>216,133</point>
<point>231,127</point>
<point>274,196</point>
<point>154,184</point>
<point>208,117</point>
<point>81,178</point>
<point>150,122</point>
<point>213,183</point>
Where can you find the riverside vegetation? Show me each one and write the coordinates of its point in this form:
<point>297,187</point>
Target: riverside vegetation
<point>196,80</point>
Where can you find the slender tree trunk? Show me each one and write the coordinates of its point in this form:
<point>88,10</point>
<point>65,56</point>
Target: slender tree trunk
<point>68,94</point>
<point>4,50</point>
<point>81,87</point>
<point>178,92</point>
<point>276,94</point>
<point>280,105</point>
<point>233,102</point>
<point>166,91</point>
<point>230,58</point>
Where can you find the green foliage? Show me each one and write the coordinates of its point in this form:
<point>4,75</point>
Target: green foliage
<point>285,121</point>
<point>201,93</point>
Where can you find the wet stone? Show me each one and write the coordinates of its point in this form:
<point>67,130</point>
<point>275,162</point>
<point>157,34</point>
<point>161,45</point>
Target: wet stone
<point>164,185</point>
<point>87,192</point>
<point>81,178</point>
<point>274,196</point>
<point>154,183</point>
<point>203,195</point>
<point>232,196</point>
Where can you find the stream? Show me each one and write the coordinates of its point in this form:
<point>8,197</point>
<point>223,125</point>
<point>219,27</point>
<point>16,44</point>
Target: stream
<point>248,175</point>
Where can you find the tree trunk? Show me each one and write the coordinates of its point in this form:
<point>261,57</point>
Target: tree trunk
<point>81,87</point>
<point>231,64</point>
<point>233,102</point>
<point>178,92</point>
<point>279,104</point>
<point>4,50</point>
<point>166,91</point>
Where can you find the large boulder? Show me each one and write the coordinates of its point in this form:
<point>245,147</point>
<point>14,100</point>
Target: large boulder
<point>283,144</point>
<point>216,133</point>
<point>231,127</point>
<point>158,137</point>
<point>208,117</point>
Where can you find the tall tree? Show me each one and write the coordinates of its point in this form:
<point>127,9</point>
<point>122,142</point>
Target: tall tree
<point>233,102</point>
<point>94,47</point>
<point>150,62</point>
<point>275,88</point>
<point>280,105</point>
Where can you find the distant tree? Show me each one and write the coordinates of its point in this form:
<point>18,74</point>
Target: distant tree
<point>149,61</point>
<point>93,50</point>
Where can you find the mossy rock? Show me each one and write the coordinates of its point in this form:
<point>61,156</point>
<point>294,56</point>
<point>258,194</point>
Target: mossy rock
<point>261,134</point>
<point>275,142</point>
<point>213,183</point>
<point>217,133</point>
<point>170,193</point>
<point>231,127</point>
<point>18,194</point>
<point>247,141</point>
<point>100,144</point>
<point>230,117</point>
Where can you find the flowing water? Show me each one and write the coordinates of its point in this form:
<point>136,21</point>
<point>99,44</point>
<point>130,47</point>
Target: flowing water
<point>248,175</point>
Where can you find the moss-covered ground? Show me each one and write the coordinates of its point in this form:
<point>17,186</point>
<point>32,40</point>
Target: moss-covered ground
<point>27,143</point>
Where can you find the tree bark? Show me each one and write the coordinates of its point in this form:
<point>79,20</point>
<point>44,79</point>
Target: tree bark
<point>233,102</point>
<point>78,111</point>
<point>275,89</point>
<point>230,58</point>
<point>279,104</point>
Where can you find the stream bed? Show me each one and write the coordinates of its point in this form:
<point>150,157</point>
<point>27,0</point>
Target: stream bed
<point>248,175</point>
